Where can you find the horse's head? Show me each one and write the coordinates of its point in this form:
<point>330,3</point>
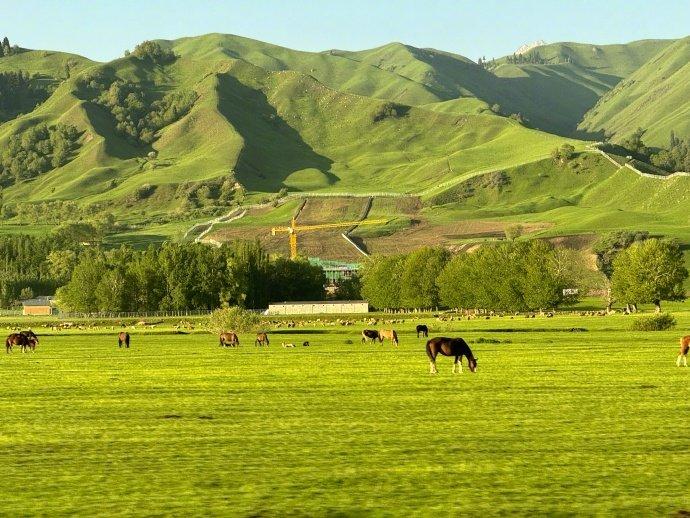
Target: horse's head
<point>472,362</point>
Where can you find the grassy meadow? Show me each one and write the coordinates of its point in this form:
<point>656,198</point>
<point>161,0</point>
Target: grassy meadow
<point>555,421</point>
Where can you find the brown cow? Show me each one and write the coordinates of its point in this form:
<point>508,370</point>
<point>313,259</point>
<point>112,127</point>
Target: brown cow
<point>683,353</point>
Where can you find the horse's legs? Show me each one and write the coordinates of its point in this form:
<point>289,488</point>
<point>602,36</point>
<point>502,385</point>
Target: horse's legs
<point>680,356</point>
<point>457,363</point>
<point>432,367</point>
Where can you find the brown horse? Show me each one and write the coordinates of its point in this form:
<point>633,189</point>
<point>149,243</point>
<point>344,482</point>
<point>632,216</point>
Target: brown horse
<point>450,347</point>
<point>229,340</point>
<point>424,330</point>
<point>22,340</point>
<point>123,338</point>
<point>683,353</point>
<point>370,335</point>
<point>389,334</point>
<point>261,339</point>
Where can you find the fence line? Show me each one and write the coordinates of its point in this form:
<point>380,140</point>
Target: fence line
<point>134,314</point>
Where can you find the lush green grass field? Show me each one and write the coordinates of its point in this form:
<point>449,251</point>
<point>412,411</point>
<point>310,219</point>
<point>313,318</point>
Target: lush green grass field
<point>553,422</point>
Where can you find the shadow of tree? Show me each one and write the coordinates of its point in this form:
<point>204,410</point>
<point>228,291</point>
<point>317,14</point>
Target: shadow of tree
<point>273,150</point>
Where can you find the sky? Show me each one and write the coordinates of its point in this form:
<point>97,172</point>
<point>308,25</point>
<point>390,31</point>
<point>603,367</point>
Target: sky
<point>102,30</point>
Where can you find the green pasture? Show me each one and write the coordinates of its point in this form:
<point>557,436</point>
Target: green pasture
<point>566,415</point>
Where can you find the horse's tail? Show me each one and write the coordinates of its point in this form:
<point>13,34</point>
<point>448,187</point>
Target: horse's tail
<point>395,337</point>
<point>8,344</point>
<point>220,339</point>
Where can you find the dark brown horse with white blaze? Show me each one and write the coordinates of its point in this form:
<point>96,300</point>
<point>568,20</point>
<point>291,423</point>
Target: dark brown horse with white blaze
<point>229,340</point>
<point>684,349</point>
<point>123,338</point>
<point>456,347</point>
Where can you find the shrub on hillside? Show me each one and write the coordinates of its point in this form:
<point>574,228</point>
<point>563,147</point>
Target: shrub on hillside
<point>137,116</point>
<point>36,151</point>
<point>233,319</point>
<point>389,111</point>
<point>154,52</point>
<point>659,322</point>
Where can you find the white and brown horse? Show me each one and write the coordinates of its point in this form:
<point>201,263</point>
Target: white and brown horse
<point>370,335</point>
<point>683,353</point>
<point>456,347</point>
<point>388,334</point>
<point>229,339</point>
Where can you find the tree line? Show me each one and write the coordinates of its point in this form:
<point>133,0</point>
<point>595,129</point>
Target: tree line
<point>528,275</point>
<point>675,157</point>
<point>20,93</point>
<point>177,276</point>
<point>6,49</point>
<point>515,276</point>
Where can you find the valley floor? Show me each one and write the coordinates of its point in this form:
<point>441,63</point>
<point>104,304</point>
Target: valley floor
<point>554,422</point>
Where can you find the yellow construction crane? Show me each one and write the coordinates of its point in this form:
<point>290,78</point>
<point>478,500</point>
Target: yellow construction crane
<point>294,229</point>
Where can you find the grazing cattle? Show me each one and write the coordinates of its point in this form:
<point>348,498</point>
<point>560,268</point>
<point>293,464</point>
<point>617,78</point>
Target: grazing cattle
<point>389,334</point>
<point>370,335</point>
<point>424,330</point>
<point>24,341</point>
<point>456,347</point>
<point>261,339</point>
<point>123,338</point>
<point>683,353</point>
<point>229,340</point>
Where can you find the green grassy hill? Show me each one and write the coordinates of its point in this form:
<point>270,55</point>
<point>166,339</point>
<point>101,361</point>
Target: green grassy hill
<point>264,120</point>
<point>655,97</point>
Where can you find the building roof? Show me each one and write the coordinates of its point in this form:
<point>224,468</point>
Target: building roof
<point>329,302</point>
<point>38,301</point>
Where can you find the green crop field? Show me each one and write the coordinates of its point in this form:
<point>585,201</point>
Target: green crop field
<point>554,422</point>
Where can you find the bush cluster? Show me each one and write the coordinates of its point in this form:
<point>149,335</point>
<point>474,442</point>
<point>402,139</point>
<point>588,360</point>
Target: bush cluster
<point>659,322</point>
<point>36,151</point>
<point>137,116</point>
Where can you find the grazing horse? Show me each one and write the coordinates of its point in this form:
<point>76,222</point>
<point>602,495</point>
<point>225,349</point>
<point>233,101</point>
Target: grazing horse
<point>229,340</point>
<point>31,335</point>
<point>683,353</point>
<point>123,338</point>
<point>450,347</point>
<point>424,330</point>
<point>261,339</point>
<point>389,334</point>
<point>370,335</point>
<point>23,341</point>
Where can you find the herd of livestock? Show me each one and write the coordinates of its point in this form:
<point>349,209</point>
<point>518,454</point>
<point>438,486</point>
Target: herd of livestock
<point>454,347</point>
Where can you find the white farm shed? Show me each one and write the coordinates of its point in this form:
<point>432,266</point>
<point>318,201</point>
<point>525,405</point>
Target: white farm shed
<point>342,307</point>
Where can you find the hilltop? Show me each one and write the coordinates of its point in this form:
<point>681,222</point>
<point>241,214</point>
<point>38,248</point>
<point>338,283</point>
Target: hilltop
<point>656,97</point>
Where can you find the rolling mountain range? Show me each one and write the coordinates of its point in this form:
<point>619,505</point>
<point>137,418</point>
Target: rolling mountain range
<point>182,131</point>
